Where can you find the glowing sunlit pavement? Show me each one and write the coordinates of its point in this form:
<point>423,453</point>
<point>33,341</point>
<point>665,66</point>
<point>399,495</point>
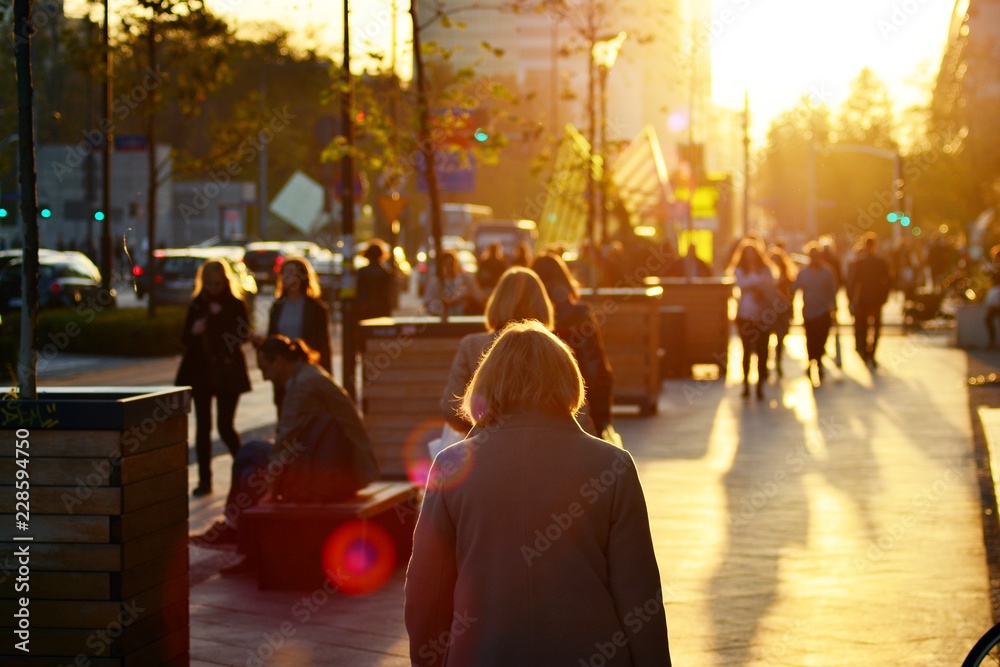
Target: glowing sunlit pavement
<point>831,525</point>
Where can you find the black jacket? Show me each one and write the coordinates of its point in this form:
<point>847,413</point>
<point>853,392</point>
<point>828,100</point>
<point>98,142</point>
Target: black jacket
<point>214,361</point>
<point>577,327</point>
<point>315,328</point>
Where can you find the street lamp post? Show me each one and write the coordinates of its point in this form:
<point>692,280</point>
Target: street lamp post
<point>896,190</point>
<point>604,53</point>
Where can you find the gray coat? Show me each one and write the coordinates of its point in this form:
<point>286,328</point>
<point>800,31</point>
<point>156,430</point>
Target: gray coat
<point>533,548</point>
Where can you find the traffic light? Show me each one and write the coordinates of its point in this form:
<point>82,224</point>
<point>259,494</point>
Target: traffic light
<point>480,135</point>
<point>99,215</point>
<point>3,212</point>
<point>44,212</point>
<point>892,217</point>
<point>905,221</point>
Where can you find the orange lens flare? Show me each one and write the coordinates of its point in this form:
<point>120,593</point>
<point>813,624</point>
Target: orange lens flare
<point>359,557</point>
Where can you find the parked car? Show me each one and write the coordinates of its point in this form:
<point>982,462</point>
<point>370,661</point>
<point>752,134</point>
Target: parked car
<point>264,259</point>
<point>172,279</point>
<point>65,279</point>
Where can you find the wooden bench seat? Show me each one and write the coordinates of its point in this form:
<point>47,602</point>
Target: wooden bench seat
<point>287,539</point>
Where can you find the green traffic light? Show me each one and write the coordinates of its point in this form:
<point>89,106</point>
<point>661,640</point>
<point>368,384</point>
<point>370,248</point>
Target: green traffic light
<point>45,213</point>
<point>3,213</point>
<point>98,215</point>
<point>892,217</point>
<point>905,221</point>
<point>480,134</point>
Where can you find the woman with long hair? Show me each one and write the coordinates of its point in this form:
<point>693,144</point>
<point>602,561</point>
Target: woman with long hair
<point>217,325</point>
<point>298,312</point>
<point>519,295</point>
<point>755,278</point>
<point>456,294</point>
<point>577,326</point>
<point>500,538</point>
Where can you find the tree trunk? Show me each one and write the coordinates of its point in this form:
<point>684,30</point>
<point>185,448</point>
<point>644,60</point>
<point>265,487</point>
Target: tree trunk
<point>28,357</point>
<point>427,149</point>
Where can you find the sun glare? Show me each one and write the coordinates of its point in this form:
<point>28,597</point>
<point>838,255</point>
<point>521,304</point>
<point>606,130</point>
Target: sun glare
<point>781,50</point>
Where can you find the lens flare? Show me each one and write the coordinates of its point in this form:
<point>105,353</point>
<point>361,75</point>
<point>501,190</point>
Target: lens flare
<point>359,557</point>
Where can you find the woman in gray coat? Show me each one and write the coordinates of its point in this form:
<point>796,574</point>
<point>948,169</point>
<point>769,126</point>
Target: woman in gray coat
<point>519,295</point>
<point>533,544</point>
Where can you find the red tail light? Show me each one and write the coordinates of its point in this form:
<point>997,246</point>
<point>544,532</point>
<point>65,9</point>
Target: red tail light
<point>137,271</point>
<point>158,279</point>
<point>278,261</point>
<point>55,288</point>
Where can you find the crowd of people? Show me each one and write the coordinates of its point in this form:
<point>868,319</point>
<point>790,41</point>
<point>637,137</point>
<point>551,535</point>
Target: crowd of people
<point>530,398</point>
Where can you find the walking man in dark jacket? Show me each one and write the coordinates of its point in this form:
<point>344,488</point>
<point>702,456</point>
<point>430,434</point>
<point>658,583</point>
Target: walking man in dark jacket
<point>868,285</point>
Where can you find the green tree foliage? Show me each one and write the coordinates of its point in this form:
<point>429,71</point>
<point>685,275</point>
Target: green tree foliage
<point>783,178</point>
<point>866,115</point>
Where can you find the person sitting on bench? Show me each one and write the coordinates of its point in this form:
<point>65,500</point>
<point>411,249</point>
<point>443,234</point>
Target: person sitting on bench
<point>321,453</point>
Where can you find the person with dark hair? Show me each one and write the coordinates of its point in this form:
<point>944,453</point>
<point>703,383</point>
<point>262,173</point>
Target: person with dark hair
<point>491,266</point>
<point>217,325</point>
<point>784,293</point>
<point>819,304</point>
<point>475,547</point>
<point>868,285</point>
<point>375,283</point>
<point>457,294</point>
<point>299,312</point>
<point>321,447</point>
<point>577,326</point>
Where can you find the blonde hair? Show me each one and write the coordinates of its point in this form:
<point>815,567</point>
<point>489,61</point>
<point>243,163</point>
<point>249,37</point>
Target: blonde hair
<point>222,266</point>
<point>311,279</point>
<point>527,368</point>
<point>519,295</point>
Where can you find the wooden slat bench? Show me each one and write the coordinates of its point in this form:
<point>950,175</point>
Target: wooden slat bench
<point>406,361</point>
<point>287,539</point>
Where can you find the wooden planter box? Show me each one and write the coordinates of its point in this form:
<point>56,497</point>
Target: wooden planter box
<point>106,578</point>
<point>630,324</point>
<point>706,318</point>
<point>405,364</point>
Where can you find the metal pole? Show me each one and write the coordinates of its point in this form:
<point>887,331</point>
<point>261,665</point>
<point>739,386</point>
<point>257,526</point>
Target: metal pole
<point>347,224</point>
<point>107,257</point>
<point>591,123</point>
<point>262,163</point>
<point>746,161</point>
<point>602,81</point>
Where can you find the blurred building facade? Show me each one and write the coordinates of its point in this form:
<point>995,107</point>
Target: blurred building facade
<point>662,77</point>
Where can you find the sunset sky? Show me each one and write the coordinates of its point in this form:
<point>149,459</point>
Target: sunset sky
<point>778,50</point>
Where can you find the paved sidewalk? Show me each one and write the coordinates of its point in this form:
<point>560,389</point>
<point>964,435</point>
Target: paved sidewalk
<point>836,525</point>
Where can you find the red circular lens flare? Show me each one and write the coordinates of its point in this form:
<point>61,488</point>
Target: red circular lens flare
<point>359,557</point>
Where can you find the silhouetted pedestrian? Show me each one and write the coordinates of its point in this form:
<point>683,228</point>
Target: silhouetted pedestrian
<point>755,275</point>
<point>217,325</point>
<point>868,284</point>
<point>375,283</point>
<point>819,303</point>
